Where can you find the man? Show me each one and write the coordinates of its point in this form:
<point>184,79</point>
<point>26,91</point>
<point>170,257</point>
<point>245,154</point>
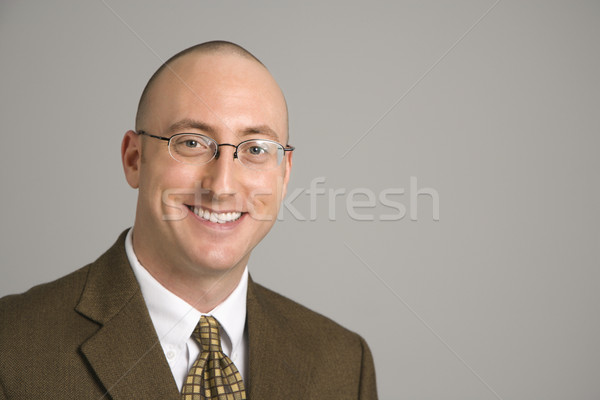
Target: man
<point>170,312</point>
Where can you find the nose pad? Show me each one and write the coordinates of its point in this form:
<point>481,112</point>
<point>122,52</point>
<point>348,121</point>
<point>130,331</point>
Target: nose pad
<point>218,153</point>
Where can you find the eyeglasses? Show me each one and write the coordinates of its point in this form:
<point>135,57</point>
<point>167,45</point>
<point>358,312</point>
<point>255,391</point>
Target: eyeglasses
<point>196,149</point>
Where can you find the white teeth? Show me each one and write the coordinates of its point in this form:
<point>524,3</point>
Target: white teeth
<point>219,218</point>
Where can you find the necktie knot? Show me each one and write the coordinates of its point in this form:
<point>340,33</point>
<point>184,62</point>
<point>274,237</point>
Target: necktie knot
<point>207,333</point>
<point>213,376</point>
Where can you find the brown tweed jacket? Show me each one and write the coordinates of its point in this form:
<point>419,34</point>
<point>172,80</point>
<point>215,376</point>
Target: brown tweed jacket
<point>88,335</point>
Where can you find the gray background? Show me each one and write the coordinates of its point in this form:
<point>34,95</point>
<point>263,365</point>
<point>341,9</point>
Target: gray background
<point>495,106</point>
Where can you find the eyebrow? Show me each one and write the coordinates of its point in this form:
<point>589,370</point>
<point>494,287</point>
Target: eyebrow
<point>187,123</point>
<point>261,130</point>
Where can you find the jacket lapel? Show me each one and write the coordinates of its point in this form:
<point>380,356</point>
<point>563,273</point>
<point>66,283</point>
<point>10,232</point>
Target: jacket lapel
<point>278,367</point>
<point>126,356</point>
<point>125,353</point>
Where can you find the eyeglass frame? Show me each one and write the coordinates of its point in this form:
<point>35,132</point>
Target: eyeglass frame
<point>217,153</point>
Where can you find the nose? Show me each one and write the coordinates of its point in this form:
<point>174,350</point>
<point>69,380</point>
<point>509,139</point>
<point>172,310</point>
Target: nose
<point>219,176</point>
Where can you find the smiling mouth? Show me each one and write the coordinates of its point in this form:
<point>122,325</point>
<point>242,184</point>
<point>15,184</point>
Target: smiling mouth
<point>218,218</point>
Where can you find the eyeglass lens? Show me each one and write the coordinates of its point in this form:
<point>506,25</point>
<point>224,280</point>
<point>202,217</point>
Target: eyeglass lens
<point>197,149</point>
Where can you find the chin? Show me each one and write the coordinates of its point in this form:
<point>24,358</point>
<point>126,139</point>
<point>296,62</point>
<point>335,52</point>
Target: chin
<point>217,262</point>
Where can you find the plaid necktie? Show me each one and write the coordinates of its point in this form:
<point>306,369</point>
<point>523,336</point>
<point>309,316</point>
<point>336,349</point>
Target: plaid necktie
<point>213,375</point>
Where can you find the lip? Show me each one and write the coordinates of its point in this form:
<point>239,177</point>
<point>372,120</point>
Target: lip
<point>216,225</point>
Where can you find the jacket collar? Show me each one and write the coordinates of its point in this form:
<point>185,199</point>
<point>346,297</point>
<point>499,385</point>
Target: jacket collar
<point>278,367</point>
<point>125,353</point>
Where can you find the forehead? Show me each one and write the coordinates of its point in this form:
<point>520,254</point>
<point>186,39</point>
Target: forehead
<point>226,92</point>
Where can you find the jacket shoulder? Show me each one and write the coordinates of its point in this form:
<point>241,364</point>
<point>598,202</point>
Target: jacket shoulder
<point>45,298</point>
<point>314,343</point>
<point>57,299</point>
<point>302,320</point>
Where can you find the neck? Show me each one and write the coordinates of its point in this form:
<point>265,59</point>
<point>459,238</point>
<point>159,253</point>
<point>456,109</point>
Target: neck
<point>204,292</point>
<point>202,288</point>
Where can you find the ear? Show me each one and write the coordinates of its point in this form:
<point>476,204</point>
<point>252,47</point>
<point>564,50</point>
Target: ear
<point>288,170</point>
<point>131,156</point>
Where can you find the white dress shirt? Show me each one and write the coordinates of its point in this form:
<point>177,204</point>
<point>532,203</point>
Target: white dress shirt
<point>174,320</point>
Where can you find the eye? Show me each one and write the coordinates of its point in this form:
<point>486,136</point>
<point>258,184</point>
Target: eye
<point>256,150</point>
<point>260,154</point>
<point>193,144</point>
<point>191,148</point>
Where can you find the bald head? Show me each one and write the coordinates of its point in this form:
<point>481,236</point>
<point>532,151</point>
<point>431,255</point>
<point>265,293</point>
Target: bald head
<point>203,52</point>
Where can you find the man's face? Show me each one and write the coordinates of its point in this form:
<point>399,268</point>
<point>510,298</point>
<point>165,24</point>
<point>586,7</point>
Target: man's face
<point>230,99</point>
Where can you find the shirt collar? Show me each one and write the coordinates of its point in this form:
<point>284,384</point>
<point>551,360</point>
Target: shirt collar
<point>174,319</point>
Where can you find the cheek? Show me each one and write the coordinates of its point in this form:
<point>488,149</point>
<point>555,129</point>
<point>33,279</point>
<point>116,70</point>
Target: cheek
<point>167,186</point>
<point>265,193</point>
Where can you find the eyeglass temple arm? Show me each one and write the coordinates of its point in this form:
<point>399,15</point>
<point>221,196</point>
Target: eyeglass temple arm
<point>154,136</point>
